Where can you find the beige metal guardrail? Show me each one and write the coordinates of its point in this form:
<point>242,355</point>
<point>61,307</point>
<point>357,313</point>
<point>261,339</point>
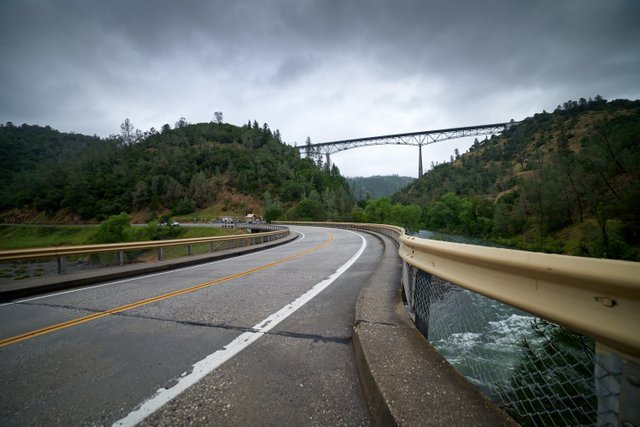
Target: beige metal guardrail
<point>599,298</point>
<point>596,297</point>
<point>388,230</point>
<point>63,251</point>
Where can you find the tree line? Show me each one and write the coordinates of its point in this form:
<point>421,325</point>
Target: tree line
<point>371,187</point>
<point>180,170</point>
<point>567,182</point>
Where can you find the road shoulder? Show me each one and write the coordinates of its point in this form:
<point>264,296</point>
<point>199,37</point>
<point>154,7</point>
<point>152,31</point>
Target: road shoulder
<point>405,381</point>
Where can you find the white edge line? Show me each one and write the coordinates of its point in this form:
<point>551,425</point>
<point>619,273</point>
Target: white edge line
<point>214,360</point>
<point>90,287</point>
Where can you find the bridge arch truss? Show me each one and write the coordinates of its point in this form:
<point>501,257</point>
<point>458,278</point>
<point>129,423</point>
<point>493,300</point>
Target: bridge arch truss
<point>413,138</point>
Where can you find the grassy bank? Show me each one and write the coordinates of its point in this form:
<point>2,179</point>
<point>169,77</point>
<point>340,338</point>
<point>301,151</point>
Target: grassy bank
<point>39,236</point>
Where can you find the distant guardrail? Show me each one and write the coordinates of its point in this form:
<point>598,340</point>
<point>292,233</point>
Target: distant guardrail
<point>598,298</point>
<point>258,226</point>
<point>392,231</point>
<point>215,243</point>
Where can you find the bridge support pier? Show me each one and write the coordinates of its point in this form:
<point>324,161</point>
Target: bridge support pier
<point>328,161</point>
<point>419,160</point>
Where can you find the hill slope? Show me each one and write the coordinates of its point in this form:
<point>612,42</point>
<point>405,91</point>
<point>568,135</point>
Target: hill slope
<point>377,186</point>
<point>182,170</point>
<point>567,181</point>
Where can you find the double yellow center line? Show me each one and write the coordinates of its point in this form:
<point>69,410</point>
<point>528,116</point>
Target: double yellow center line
<point>77,321</point>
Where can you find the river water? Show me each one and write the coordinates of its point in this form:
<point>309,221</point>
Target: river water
<point>482,338</point>
<point>537,378</point>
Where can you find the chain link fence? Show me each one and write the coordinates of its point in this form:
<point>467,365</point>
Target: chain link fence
<point>540,373</point>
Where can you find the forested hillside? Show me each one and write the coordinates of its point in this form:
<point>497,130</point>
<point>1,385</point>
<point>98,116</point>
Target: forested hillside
<point>567,181</point>
<point>216,167</point>
<point>376,186</point>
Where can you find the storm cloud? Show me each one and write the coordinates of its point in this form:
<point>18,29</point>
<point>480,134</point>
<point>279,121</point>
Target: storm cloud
<point>325,69</point>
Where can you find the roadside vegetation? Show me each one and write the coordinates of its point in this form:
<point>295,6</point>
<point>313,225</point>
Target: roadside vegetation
<point>37,236</point>
<point>114,230</point>
<point>562,182</point>
<point>373,187</point>
<point>203,169</point>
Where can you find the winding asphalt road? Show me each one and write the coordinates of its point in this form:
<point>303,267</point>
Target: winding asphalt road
<point>262,339</point>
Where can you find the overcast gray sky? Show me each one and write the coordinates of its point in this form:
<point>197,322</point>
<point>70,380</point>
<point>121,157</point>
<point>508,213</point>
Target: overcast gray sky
<point>324,69</point>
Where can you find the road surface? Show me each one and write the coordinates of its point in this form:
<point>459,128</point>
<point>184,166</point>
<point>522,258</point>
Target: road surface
<point>260,339</point>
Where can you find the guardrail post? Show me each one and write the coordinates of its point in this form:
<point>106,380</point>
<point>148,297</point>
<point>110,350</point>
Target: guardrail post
<point>189,250</point>
<point>120,257</point>
<point>617,387</point>
<point>160,254</point>
<point>61,266</point>
<point>212,247</point>
<point>630,393</point>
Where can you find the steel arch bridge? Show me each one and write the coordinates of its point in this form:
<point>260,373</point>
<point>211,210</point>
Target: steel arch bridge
<point>413,138</point>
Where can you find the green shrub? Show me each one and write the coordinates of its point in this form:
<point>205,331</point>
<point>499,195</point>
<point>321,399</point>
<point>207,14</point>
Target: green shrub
<point>116,229</point>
